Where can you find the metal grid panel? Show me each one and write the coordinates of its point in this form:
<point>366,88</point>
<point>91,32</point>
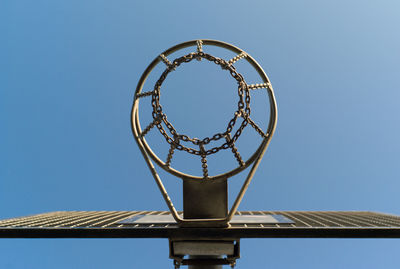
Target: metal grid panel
<point>105,224</point>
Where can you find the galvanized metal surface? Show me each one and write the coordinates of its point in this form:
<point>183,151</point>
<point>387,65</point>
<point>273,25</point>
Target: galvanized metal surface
<point>105,224</point>
<point>237,219</point>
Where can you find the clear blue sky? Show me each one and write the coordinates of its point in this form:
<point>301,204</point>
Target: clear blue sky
<point>68,70</point>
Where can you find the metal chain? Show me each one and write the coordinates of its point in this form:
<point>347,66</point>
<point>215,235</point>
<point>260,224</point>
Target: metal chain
<point>165,60</point>
<point>235,151</point>
<point>155,121</point>
<point>171,150</point>
<point>170,154</point>
<point>144,94</point>
<point>243,106</point>
<point>204,161</point>
<point>266,85</point>
<point>199,46</point>
<point>255,126</point>
<point>237,57</point>
<point>199,49</point>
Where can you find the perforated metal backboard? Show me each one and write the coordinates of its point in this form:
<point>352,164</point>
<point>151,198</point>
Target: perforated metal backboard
<point>284,224</point>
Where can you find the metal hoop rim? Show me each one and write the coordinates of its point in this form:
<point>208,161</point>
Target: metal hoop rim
<point>135,121</point>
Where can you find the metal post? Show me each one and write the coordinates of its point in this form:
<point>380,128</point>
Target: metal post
<point>205,265</point>
<point>205,199</point>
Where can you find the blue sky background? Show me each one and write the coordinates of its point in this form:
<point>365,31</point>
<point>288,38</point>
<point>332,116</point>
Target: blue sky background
<point>68,71</point>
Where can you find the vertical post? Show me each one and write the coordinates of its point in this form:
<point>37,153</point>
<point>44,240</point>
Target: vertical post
<point>205,199</point>
<point>205,266</point>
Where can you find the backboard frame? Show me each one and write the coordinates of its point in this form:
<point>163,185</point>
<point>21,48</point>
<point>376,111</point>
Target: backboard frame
<point>308,224</point>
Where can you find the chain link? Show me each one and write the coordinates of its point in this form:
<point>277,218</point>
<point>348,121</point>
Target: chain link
<point>243,107</point>
<point>199,49</point>
<point>204,161</point>
<point>237,57</point>
<point>144,94</point>
<point>171,150</point>
<point>166,61</point>
<point>255,126</point>
<point>155,121</point>
<point>199,45</point>
<point>170,154</point>
<point>234,150</point>
<point>266,85</point>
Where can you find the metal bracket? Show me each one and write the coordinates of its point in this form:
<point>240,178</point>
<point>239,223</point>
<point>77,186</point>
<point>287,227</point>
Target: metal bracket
<point>204,252</point>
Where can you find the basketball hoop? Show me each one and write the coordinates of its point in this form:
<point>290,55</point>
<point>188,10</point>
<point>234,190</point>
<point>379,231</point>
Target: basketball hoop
<point>224,140</point>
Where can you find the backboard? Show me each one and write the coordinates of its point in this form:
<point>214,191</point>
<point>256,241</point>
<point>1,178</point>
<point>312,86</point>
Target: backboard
<point>290,224</point>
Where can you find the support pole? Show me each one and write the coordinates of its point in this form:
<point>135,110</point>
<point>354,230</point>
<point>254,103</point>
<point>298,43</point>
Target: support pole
<point>205,265</point>
<point>204,200</point>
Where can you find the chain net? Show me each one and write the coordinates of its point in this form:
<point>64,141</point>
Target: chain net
<point>174,138</point>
